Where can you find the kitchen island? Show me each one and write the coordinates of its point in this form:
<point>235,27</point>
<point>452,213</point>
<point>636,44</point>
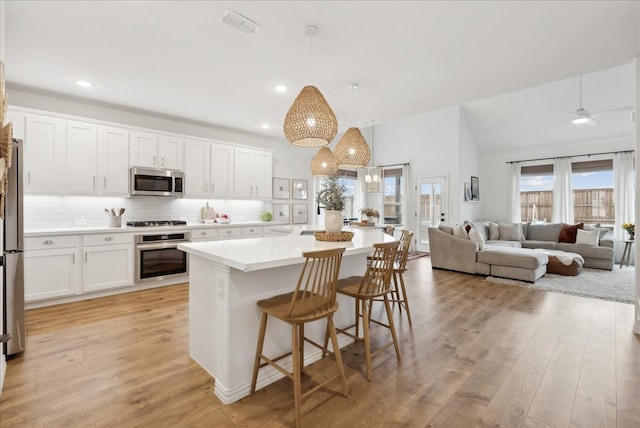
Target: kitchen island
<point>227,278</point>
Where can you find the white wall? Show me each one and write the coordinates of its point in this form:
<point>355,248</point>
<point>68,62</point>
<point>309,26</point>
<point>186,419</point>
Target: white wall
<point>430,144</point>
<point>469,166</point>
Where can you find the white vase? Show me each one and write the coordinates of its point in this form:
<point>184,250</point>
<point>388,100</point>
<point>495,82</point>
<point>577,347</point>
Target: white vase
<point>333,221</point>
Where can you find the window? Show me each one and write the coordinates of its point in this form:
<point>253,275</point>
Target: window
<point>393,195</point>
<point>349,178</point>
<point>536,192</point>
<point>592,184</point>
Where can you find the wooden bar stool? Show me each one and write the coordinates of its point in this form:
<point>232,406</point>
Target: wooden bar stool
<point>314,298</point>
<point>374,284</point>
<point>399,268</point>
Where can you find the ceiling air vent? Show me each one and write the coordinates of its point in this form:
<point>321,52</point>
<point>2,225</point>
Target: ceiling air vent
<point>239,22</point>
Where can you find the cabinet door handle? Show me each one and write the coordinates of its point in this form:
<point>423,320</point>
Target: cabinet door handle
<point>206,187</point>
<point>162,160</point>
<point>73,258</point>
<point>203,233</point>
<point>94,181</point>
<point>250,230</point>
<point>105,183</point>
<point>48,242</point>
<point>29,177</point>
<point>85,257</point>
<point>108,238</point>
<point>154,160</point>
<point>228,232</point>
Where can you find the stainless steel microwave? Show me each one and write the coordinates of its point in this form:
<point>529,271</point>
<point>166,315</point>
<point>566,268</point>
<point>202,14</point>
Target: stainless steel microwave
<point>156,182</point>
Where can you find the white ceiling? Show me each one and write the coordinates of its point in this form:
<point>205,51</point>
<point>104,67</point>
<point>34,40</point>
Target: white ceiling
<point>176,58</point>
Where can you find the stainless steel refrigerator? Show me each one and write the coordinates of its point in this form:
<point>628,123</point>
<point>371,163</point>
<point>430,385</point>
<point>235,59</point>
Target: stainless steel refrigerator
<point>13,257</point>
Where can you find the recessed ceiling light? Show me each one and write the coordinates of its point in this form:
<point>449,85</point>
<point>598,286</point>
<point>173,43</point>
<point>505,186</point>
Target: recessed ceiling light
<point>265,126</point>
<point>280,88</point>
<point>84,83</point>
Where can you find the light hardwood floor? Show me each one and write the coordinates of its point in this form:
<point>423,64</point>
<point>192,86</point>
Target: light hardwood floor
<point>479,354</point>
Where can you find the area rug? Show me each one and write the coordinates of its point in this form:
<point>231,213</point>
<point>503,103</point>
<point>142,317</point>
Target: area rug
<point>617,285</point>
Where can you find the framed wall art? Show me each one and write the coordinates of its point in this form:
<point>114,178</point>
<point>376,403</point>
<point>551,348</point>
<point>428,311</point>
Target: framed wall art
<point>280,188</point>
<point>475,189</point>
<point>300,213</point>
<point>467,191</point>
<point>299,189</point>
<point>281,212</point>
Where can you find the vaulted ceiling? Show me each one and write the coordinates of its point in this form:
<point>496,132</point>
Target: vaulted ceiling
<point>512,65</point>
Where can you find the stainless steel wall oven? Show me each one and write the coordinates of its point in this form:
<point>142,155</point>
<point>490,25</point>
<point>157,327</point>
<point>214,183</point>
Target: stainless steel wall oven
<point>158,258</point>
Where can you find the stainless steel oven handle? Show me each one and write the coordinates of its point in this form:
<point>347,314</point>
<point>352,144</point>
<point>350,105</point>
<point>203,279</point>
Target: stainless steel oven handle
<point>159,245</point>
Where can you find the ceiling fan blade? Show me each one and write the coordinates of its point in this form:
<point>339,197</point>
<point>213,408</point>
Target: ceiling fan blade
<point>591,122</point>
<point>613,111</point>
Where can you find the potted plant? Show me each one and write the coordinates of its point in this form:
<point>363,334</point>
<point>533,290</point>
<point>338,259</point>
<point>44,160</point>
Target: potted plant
<point>369,214</point>
<point>331,195</point>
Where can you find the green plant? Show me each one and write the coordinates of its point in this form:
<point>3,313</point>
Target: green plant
<point>266,216</point>
<point>331,194</point>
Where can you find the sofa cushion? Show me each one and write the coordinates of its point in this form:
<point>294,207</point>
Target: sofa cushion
<point>546,245</point>
<point>568,232</point>
<point>482,228</point>
<point>544,232</point>
<point>515,257</point>
<point>587,237</point>
<point>460,232</point>
<point>494,231</point>
<point>510,232</point>
<point>586,251</point>
<point>475,236</point>
<point>514,244</point>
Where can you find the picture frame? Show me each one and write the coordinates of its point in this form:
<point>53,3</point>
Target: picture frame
<point>281,213</point>
<point>281,188</point>
<point>300,214</point>
<point>475,188</point>
<point>467,191</point>
<point>299,189</point>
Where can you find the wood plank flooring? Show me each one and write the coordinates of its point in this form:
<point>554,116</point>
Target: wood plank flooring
<point>479,355</point>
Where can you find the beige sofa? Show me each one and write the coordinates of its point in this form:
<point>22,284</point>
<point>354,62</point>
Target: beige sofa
<point>511,254</point>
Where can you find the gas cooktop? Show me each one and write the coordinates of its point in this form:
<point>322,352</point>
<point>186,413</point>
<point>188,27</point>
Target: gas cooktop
<point>156,223</point>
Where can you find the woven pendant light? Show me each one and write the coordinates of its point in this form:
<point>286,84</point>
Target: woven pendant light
<point>310,122</point>
<point>352,149</point>
<point>324,163</point>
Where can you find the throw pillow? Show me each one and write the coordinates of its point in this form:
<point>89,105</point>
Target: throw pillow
<point>467,227</point>
<point>476,236</point>
<point>460,232</point>
<point>568,232</point>
<point>494,231</point>
<point>510,232</point>
<point>587,237</point>
<point>481,227</point>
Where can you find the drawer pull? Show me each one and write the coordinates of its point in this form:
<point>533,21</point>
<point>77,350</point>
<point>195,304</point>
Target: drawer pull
<point>251,230</point>
<point>228,232</point>
<point>108,238</point>
<point>203,233</point>
<point>48,242</point>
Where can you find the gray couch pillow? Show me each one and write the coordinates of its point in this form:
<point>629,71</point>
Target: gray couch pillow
<point>544,231</point>
<point>482,228</point>
<point>510,232</point>
<point>494,231</point>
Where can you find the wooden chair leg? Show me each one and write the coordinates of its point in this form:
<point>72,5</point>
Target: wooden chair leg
<point>297,393</point>
<point>405,299</point>
<point>336,353</point>
<point>256,363</point>
<point>357,311</point>
<point>367,344</point>
<point>396,291</point>
<point>301,343</point>
<point>391,325</point>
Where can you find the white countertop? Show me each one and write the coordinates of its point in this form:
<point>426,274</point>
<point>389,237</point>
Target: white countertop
<point>280,249</point>
<point>79,230</point>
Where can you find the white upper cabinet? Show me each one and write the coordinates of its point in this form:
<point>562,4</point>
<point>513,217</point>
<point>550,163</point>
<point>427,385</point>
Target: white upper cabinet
<point>113,161</point>
<point>207,169</point>
<point>252,174</point>
<point>82,155</point>
<point>156,151</point>
<point>44,146</point>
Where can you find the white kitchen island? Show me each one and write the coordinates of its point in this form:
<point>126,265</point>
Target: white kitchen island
<point>227,278</point>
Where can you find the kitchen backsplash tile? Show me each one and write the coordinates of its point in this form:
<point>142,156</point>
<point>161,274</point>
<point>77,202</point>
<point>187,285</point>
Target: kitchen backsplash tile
<point>55,211</point>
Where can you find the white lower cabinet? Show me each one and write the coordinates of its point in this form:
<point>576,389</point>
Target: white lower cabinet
<point>107,261</point>
<point>206,234</point>
<point>52,267</point>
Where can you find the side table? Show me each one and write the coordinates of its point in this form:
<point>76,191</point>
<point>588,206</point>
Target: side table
<point>626,254</point>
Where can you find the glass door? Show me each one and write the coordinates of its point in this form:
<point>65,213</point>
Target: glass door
<point>431,207</point>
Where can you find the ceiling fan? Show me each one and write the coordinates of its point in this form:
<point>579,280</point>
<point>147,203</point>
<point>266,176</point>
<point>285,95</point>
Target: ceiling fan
<point>582,116</point>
